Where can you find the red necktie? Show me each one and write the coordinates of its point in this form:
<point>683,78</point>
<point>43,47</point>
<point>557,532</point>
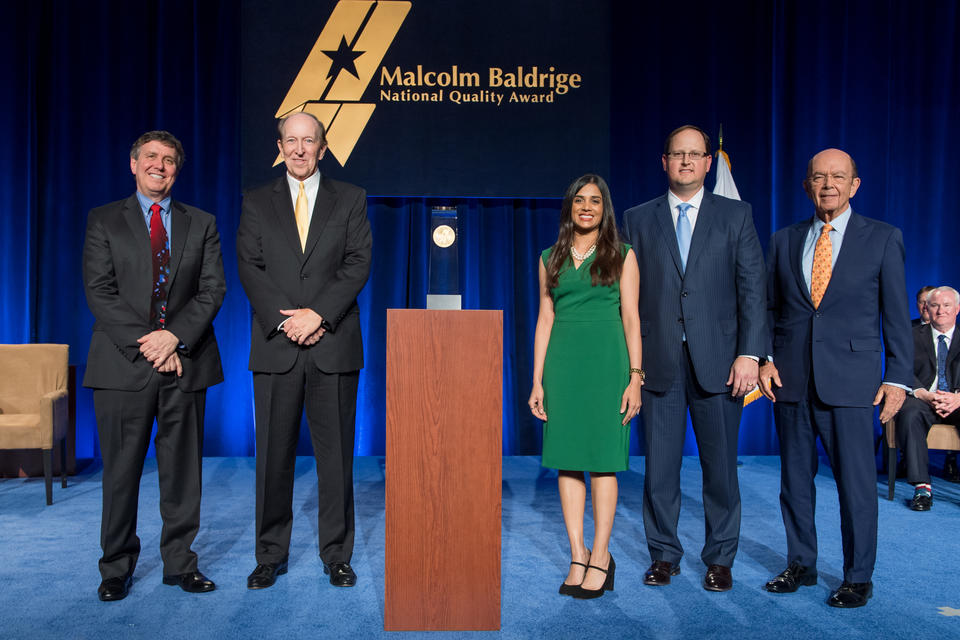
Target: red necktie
<point>161,268</point>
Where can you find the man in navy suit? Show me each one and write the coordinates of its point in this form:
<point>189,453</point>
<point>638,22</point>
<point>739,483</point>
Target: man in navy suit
<point>702,317</point>
<point>840,346</point>
<point>935,396</point>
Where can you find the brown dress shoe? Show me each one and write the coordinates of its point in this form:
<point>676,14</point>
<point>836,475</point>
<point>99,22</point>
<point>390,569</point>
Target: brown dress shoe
<point>718,578</point>
<point>658,575</point>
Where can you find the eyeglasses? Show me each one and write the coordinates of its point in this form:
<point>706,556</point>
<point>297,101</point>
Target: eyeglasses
<point>818,178</point>
<point>680,155</point>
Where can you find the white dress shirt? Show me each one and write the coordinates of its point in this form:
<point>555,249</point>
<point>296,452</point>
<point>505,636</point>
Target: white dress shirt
<point>949,335</point>
<point>692,212</point>
<point>311,185</point>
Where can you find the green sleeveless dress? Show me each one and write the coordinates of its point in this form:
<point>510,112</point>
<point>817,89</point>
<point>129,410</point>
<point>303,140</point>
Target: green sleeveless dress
<point>585,373</point>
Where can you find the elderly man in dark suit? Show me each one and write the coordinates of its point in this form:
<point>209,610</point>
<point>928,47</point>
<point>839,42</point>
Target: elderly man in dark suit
<point>936,390</point>
<point>304,255</point>
<point>154,281</point>
<point>702,314</point>
<point>840,345</point>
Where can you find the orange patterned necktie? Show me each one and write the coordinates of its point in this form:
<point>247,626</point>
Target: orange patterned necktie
<point>822,266</point>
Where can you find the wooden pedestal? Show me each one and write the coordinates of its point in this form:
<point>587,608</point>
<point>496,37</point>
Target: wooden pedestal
<point>443,470</point>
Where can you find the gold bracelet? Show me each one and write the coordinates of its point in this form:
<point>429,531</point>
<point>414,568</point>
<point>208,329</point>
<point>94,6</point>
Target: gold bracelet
<point>643,376</point>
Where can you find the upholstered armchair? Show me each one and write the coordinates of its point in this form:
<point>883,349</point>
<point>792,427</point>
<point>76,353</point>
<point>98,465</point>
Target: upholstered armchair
<point>33,402</point>
<point>941,436</point>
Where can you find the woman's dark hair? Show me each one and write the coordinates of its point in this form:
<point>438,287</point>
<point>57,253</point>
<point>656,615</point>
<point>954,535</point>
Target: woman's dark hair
<point>608,263</point>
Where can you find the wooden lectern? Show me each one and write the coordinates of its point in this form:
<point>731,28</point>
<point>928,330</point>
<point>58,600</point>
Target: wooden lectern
<point>443,470</point>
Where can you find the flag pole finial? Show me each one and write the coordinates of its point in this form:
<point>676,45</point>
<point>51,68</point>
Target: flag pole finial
<point>720,137</point>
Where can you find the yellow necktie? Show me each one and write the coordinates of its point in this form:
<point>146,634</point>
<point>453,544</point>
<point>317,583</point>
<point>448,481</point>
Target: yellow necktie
<point>822,266</point>
<point>302,213</point>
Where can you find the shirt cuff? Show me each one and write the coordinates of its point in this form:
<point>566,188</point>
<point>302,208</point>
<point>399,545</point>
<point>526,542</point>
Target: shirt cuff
<point>898,386</point>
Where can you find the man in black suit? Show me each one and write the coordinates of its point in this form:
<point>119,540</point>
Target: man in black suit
<point>936,393</point>
<point>702,314</point>
<point>840,345</point>
<point>154,281</point>
<point>304,255</point>
<point>923,315</point>
<point>950,470</point>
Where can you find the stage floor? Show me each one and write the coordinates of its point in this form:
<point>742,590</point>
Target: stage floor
<point>49,577</point>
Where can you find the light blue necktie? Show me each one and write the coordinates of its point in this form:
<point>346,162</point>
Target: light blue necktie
<point>683,232</point>
<point>942,383</point>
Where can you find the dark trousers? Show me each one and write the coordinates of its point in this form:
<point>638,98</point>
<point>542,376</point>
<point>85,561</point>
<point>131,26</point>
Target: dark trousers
<point>913,424</point>
<point>716,424</point>
<point>330,401</point>
<point>847,437</point>
<point>124,423</point>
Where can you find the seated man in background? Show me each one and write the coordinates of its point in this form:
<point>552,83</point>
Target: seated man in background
<point>922,306</point>
<point>935,397</point>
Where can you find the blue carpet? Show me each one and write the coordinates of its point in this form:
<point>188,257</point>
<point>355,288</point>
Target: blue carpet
<point>49,572</point>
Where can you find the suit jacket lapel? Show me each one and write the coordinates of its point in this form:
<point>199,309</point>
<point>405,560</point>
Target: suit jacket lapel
<point>179,228</point>
<point>286,218</point>
<point>133,215</point>
<point>322,210</point>
<point>952,354</point>
<point>143,260</point>
<point>665,219</point>
<point>701,231</point>
<point>927,345</point>
<point>796,258</point>
<point>852,240</point>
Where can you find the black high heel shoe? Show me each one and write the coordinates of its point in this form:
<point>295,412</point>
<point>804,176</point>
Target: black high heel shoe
<point>586,594</point>
<point>570,589</point>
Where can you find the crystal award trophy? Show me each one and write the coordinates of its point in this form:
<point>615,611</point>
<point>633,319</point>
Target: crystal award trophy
<point>444,289</point>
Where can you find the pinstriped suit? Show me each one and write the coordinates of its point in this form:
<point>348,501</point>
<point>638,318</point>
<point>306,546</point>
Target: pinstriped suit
<point>718,304</point>
<point>831,360</point>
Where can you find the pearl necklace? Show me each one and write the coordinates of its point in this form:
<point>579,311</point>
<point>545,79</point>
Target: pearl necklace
<point>581,257</point>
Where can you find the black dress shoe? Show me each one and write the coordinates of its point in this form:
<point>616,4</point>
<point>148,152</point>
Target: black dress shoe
<point>718,578</point>
<point>851,594</point>
<point>791,578</point>
<point>341,574</point>
<point>192,582</point>
<point>659,573</point>
<point>114,588</point>
<point>950,471</point>
<point>266,574</point>
<point>587,594</point>
<point>570,589</point>
<point>922,500</point>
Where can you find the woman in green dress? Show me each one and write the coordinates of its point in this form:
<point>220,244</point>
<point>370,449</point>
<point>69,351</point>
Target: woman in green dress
<point>586,372</point>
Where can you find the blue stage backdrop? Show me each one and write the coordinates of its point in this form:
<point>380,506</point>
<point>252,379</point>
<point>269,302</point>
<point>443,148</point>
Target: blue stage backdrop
<point>83,80</point>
